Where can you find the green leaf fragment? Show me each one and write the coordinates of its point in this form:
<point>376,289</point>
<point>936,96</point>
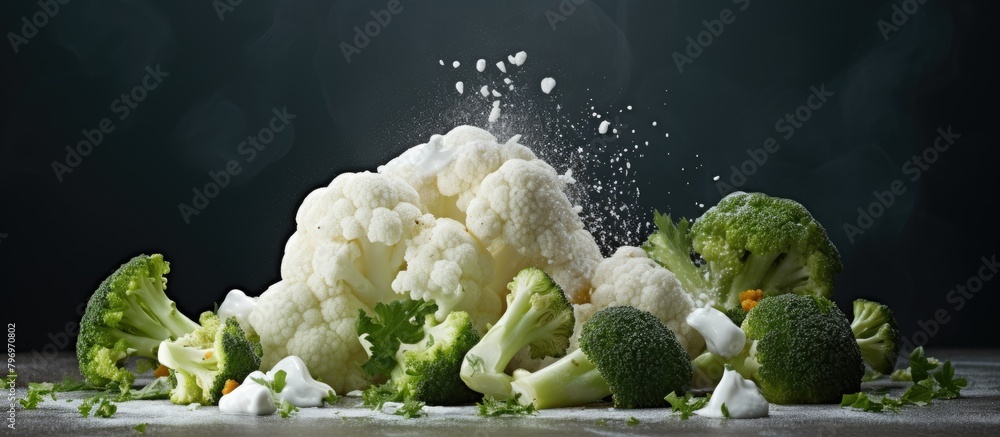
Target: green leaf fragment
<point>494,408</point>
<point>286,409</point>
<point>410,409</point>
<point>687,404</point>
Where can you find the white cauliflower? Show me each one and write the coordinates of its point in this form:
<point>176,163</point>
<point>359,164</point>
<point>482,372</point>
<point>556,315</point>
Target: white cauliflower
<point>523,215</point>
<point>292,318</point>
<point>447,264</point>
<point>448,169</point>
<point>452,221</point>
<point>630,278</point>
<point>348,247</point>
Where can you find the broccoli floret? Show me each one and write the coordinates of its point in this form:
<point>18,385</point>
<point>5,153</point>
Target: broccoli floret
<point>800,350</point>
<point>736,315</point>
<point>204,360</point>
<point>748,241</point>
<point>877,333</point>
<point>427,371</point>
<point>538,315</point>
<point>128,316</point>
<point>624,352</point>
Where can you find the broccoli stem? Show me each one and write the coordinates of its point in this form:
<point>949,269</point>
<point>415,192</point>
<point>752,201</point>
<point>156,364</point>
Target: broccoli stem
<point>746,363</point>
<point>140,345</point>
<point>571,381</point>
<point>499,345</point>
<point>752,274</point>
<point>152,314</point>
<point>866,322</point>
<point>788,274</point>
<point>708,369</point>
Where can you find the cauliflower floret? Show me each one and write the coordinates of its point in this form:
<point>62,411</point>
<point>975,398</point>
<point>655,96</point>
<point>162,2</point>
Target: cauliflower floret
<point>630,278</point>
<point>357,231</point>
<point>523,215</point>
<point>447,170</point>
<point>293,319</point>
<point>447,264</point>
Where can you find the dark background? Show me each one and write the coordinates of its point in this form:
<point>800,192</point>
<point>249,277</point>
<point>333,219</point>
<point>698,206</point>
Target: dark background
<point>58,240</point>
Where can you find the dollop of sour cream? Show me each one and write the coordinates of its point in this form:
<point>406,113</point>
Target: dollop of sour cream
<point>722,336</point>
<point>740,396</point>
<point>300,390</point>
<point>249,398</point>
<point>238,304</point>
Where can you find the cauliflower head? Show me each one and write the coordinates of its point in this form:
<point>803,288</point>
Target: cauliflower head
<point>292,318</point>
<point>447,170</point>
<point>444,262</point>
<point>521,212</point>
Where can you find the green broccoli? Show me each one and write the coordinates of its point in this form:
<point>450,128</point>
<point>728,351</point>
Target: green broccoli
<point>624,352</point>
<point>205,359</point>
<point>128,316</point>
<point>748,241</point>
<point>427,371</point>
<point>877,333</point>
<point>538,315</point>
<point>800,350</point>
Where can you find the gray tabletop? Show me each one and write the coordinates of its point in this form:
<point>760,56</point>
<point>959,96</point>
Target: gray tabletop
<point>977,412</point>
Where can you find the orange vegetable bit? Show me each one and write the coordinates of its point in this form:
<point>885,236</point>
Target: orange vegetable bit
<point>229,387</point>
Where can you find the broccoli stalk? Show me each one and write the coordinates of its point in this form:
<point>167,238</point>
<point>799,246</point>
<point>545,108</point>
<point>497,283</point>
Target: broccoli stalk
<point>538,315</point>
<point>877,334</point>
<point>748,241</point>
<point>572,380</point>
<point>624,352</point>
<point>204,360</point>
<point>128,316</point>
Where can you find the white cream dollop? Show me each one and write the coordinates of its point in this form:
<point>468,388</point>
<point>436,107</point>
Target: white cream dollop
<point>722,336</point>
<point>249,398</point>
<point>741,397</point>
<point>426,159</point>
<point>300,389</point>
<point>238,304</point>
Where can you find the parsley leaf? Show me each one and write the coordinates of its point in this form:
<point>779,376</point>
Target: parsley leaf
<point>494,408</point>
<point>686,405</point>
<point>394,323</point>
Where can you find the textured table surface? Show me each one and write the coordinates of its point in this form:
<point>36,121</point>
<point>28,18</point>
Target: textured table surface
<point>977,412</point>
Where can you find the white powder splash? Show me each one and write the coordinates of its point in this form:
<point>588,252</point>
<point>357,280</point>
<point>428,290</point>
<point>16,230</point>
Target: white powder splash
<point>603,163</point>
<point>547,84</point>
<point>603,128</point>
